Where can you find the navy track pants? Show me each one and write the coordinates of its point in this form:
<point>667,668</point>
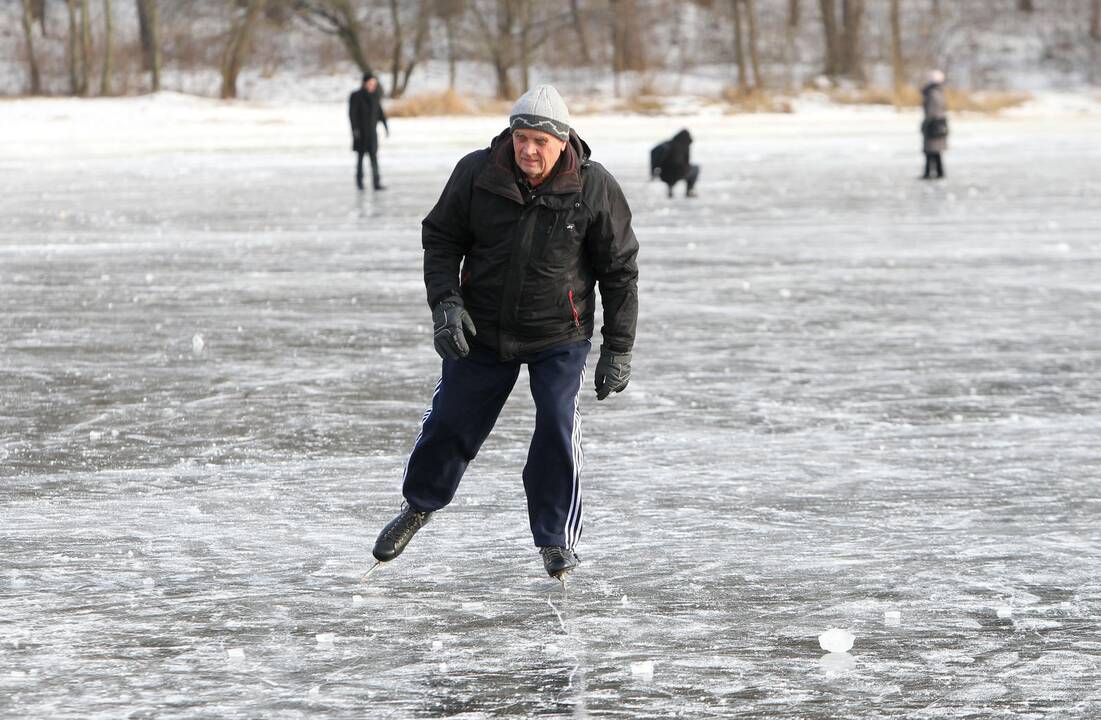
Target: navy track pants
<point>465,406</point>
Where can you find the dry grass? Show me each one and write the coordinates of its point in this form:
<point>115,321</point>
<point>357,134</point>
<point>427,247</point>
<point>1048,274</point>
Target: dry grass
<point>984,101</point>
<point>644,105</point>
<point>753,101</point>
<point>447,102</point>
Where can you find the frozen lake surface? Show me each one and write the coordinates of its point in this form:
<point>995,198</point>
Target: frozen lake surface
<point>854,394</point>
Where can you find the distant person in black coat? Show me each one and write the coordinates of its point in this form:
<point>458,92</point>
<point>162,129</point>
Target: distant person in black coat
<point>670,162</point>
<point>365,113</point>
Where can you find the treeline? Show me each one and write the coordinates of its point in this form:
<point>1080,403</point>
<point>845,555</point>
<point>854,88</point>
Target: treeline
<point>765,44</point>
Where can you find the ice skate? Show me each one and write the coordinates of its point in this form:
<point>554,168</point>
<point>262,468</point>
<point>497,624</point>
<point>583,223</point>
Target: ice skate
<point>559,561</point>
<point>398,532</point>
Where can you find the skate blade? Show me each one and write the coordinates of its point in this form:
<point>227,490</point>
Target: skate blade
<point>367,574</point>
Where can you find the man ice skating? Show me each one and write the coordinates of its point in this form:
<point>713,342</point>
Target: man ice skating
<point>521,236</point>
<point>671,160</point>
<point>934,127</point>
<point>365,113</point>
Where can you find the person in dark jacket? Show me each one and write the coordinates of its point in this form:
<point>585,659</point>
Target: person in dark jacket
<point>514,250</point>
<point>671,161</point>
<point>934,126</point>
<point>365,113</point>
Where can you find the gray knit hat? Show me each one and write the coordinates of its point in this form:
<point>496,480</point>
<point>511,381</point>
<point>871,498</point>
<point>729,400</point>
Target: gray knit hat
<point>542,108</point>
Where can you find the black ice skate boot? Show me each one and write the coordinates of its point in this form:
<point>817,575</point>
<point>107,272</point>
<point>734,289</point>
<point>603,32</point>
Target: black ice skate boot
<point>398,532</point>
<point>559,560</point>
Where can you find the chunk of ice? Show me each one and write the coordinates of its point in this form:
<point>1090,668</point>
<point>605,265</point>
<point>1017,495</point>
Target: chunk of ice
<point>326,639</point>
<point>892,617</point>
<point>643,669</point>
<point>235,654</point>
<point>1004,612</point>
<point>437,645</point>
<point>836,640</point>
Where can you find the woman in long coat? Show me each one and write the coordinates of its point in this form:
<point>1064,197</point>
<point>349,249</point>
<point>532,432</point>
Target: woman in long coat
<point>934,128</point>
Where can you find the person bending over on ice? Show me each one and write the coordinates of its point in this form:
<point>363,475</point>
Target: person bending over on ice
<point>365,113</point>
<point>673,165</point>
<point>521,236</point>
<point>934,128</point>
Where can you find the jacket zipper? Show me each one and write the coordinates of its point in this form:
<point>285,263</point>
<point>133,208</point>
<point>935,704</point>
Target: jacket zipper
<point>573,308</point>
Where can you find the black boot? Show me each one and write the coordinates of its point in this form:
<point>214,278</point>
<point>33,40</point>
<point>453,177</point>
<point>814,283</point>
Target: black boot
<point>559,560</point>
<point>398,532</point>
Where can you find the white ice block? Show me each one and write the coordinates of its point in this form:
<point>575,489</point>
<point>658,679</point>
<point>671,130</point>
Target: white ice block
<point>643,669</point>
<point>326,638</point>
<point>437,645</point>
<point>836,640</point>
<point>892,617</point>
<point>235,654</point>
<point>1004,612</point>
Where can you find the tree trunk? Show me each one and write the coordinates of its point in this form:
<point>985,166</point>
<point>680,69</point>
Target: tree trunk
<point>149,29</point>
<point>739,53</point>
<point>751,13</point>
<point>581,31</point>
<point>71,47</point>
<point>829,27</point>
<point>1026,6</point>
<point>85,49</point>
<point>853,49</point>
<point>1095,21</point>
<point>237,48</point>
<point>399,47</point>
<point>449,25</point>
<point>791,31</point>
<point>898,65</point>
<point>32,61</point>
<point>38,14</point>
<point>525,44</point>
<point>419,39</point>
<point>108,50</point>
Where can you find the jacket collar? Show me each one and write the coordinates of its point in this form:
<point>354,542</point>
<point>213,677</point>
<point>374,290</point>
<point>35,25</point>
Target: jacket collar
<point>500,175</point>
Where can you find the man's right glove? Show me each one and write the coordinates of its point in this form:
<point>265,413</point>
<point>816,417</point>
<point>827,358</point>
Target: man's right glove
<point>613,372</point>
<point>449,320</point>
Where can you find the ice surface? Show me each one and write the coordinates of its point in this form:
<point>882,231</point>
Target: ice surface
<point>778,466</point>
<point>836,640</point>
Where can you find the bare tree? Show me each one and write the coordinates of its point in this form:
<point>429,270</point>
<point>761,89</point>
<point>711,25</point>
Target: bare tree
<point>832,37</point>
<point>337,18</point>
<point>71,49</point>
<point>237,46</point>
<point>1095,20</point>
<point>754,59</point>
<point>791,32</point>
<point>739,52</point>
<point>852,48</point>
<point>499,42</point>
<point>400,68</point>
<point>108,50</point>
<point>1026,6</point>
<point>627,44</point>
<point>85,48</point>
<point>149,29</point>
<point>32,61</point>
<point>582,32</point>
<point>898,64</point>
<point>450,11</point>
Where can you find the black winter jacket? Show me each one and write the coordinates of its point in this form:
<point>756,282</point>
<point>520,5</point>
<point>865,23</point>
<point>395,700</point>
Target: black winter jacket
<point>675,161</point>
<point>525,265</point>
<point>365,113</point>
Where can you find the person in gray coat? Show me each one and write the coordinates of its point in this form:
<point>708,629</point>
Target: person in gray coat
<point>934,127</point>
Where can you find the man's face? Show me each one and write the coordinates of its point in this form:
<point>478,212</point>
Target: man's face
<point>370,85</point>
<point>536,153</point>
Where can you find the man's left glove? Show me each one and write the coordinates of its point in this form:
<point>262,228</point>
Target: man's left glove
<point>613,372</point>
<point>449,320</point>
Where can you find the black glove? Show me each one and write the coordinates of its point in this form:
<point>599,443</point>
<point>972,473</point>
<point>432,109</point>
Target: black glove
<point>449,320</point>
<point>613,372</point>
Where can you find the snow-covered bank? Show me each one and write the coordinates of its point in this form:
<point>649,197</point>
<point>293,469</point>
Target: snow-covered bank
<point>172,122</point>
